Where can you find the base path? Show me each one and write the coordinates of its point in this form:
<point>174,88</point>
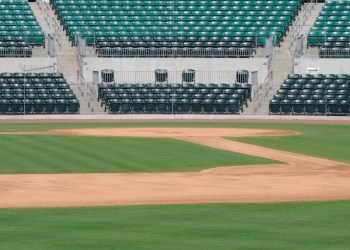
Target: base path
<point>300,178</point>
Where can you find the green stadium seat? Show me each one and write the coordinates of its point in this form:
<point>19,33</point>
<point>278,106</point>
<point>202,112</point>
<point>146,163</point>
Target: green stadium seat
<point>209,105</point>
<point>234,106</point>
<point>275,106</point>
<point>333,107</point>
<point>114,105</point>
<point>138,105</point>
<point>344,107</point>
<point>321,107</point>
<point>126,106</point>
<point>28,106</point>
<point>16,106</point>
<point>298,107</point>
<point>150,105</point>
<point>61,106</point>
<point>73,106</point>
<point>38,106</point>
<point>220,105</point>
<point>50,106</point>
<point>196,105</point>
<point>286,106</point>
<point>4,106</point>
<point>185,105</point>
<point>162,105</point>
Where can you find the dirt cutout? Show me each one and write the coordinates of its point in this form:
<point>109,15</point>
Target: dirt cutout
<point>300,178</point>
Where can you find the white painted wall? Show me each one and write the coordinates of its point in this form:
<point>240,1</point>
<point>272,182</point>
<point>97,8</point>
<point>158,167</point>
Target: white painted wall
<point>326,66</point>
<point>175,64</point>
<point>16,64</point>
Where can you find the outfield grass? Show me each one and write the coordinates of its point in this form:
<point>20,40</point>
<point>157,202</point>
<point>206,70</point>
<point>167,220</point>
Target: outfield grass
<point>322,225</point>
<point>77,154</point>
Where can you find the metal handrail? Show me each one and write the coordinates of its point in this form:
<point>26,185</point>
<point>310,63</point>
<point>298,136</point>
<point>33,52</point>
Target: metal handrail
<point>174,52</point>
<point>257,98</point>
<point>268,83</point>
<point>175,77</point>
<point>295,30</point>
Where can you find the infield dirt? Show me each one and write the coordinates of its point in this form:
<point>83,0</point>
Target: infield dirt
<point>299,178</point>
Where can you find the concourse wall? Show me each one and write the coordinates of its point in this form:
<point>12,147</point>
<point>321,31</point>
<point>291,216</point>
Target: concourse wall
<point>29,64</point>
<point>325,66</point>
<point>91,64</point>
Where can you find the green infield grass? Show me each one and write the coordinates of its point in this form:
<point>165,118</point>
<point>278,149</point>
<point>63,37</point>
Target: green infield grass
<point>319,225</point>
<point>77,154</point>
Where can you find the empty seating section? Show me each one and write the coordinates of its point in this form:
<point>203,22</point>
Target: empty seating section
<point>222,27</point>
<point>33,93</point>
<point>14,47</point>
<point>331,30</point>
<point>174,98</point>
<point>313,94</point>
<point>18,29</point>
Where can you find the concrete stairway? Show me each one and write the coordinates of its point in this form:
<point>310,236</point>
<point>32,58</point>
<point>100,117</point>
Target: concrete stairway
<point>283,60</point>
<point>40,18</point>
<point>67,63</point>
<point>306,28</point>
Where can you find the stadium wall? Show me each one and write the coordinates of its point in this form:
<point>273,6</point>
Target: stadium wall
<point>17,64</point>
<point>174,64</point>
<point>325,66</point>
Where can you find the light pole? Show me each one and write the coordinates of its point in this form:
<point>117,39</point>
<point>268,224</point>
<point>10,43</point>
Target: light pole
<point>24,89</point>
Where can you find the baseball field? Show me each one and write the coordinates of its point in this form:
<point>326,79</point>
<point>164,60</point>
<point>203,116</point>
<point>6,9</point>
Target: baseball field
<point>174,185</point>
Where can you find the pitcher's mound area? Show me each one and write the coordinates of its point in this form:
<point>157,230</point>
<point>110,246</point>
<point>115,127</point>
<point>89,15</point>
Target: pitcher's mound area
<point>300,178</point>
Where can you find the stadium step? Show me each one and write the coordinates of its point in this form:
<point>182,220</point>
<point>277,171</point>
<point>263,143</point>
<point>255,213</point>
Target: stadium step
<point>40,18</point>
<point>67,63</point>
<point>283,59</point>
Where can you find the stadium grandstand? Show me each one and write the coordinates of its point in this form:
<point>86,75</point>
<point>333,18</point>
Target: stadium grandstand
<point>97,57</point>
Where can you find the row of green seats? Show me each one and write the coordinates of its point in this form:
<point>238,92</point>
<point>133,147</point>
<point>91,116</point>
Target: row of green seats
<point>91,36</point>
<point>181,33</point>
<point>39,106</point>
<point>170,2</point>
<point>12,18</point>
<point>176,8</point>
<point>20,28</point>
<point>335,12</point>
<point>331,28</point>
<point>331,23</point>
<point>31,37</point>
<point>319,38</point>
<point>178,13</point>
<point>167,9</point>
<point>176,23</point>
<point>338,2</point>
<point>19,22</point>
<point>178,30</point>
<point>12,2</point>
<point>15,12</point>
<point>336,5</point>
<point>333,18</point>
<point>175,18</point>
<point>116,20</point>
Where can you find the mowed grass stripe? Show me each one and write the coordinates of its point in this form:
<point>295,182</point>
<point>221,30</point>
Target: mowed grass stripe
<point>78,154</point>
<point>320,225</point>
